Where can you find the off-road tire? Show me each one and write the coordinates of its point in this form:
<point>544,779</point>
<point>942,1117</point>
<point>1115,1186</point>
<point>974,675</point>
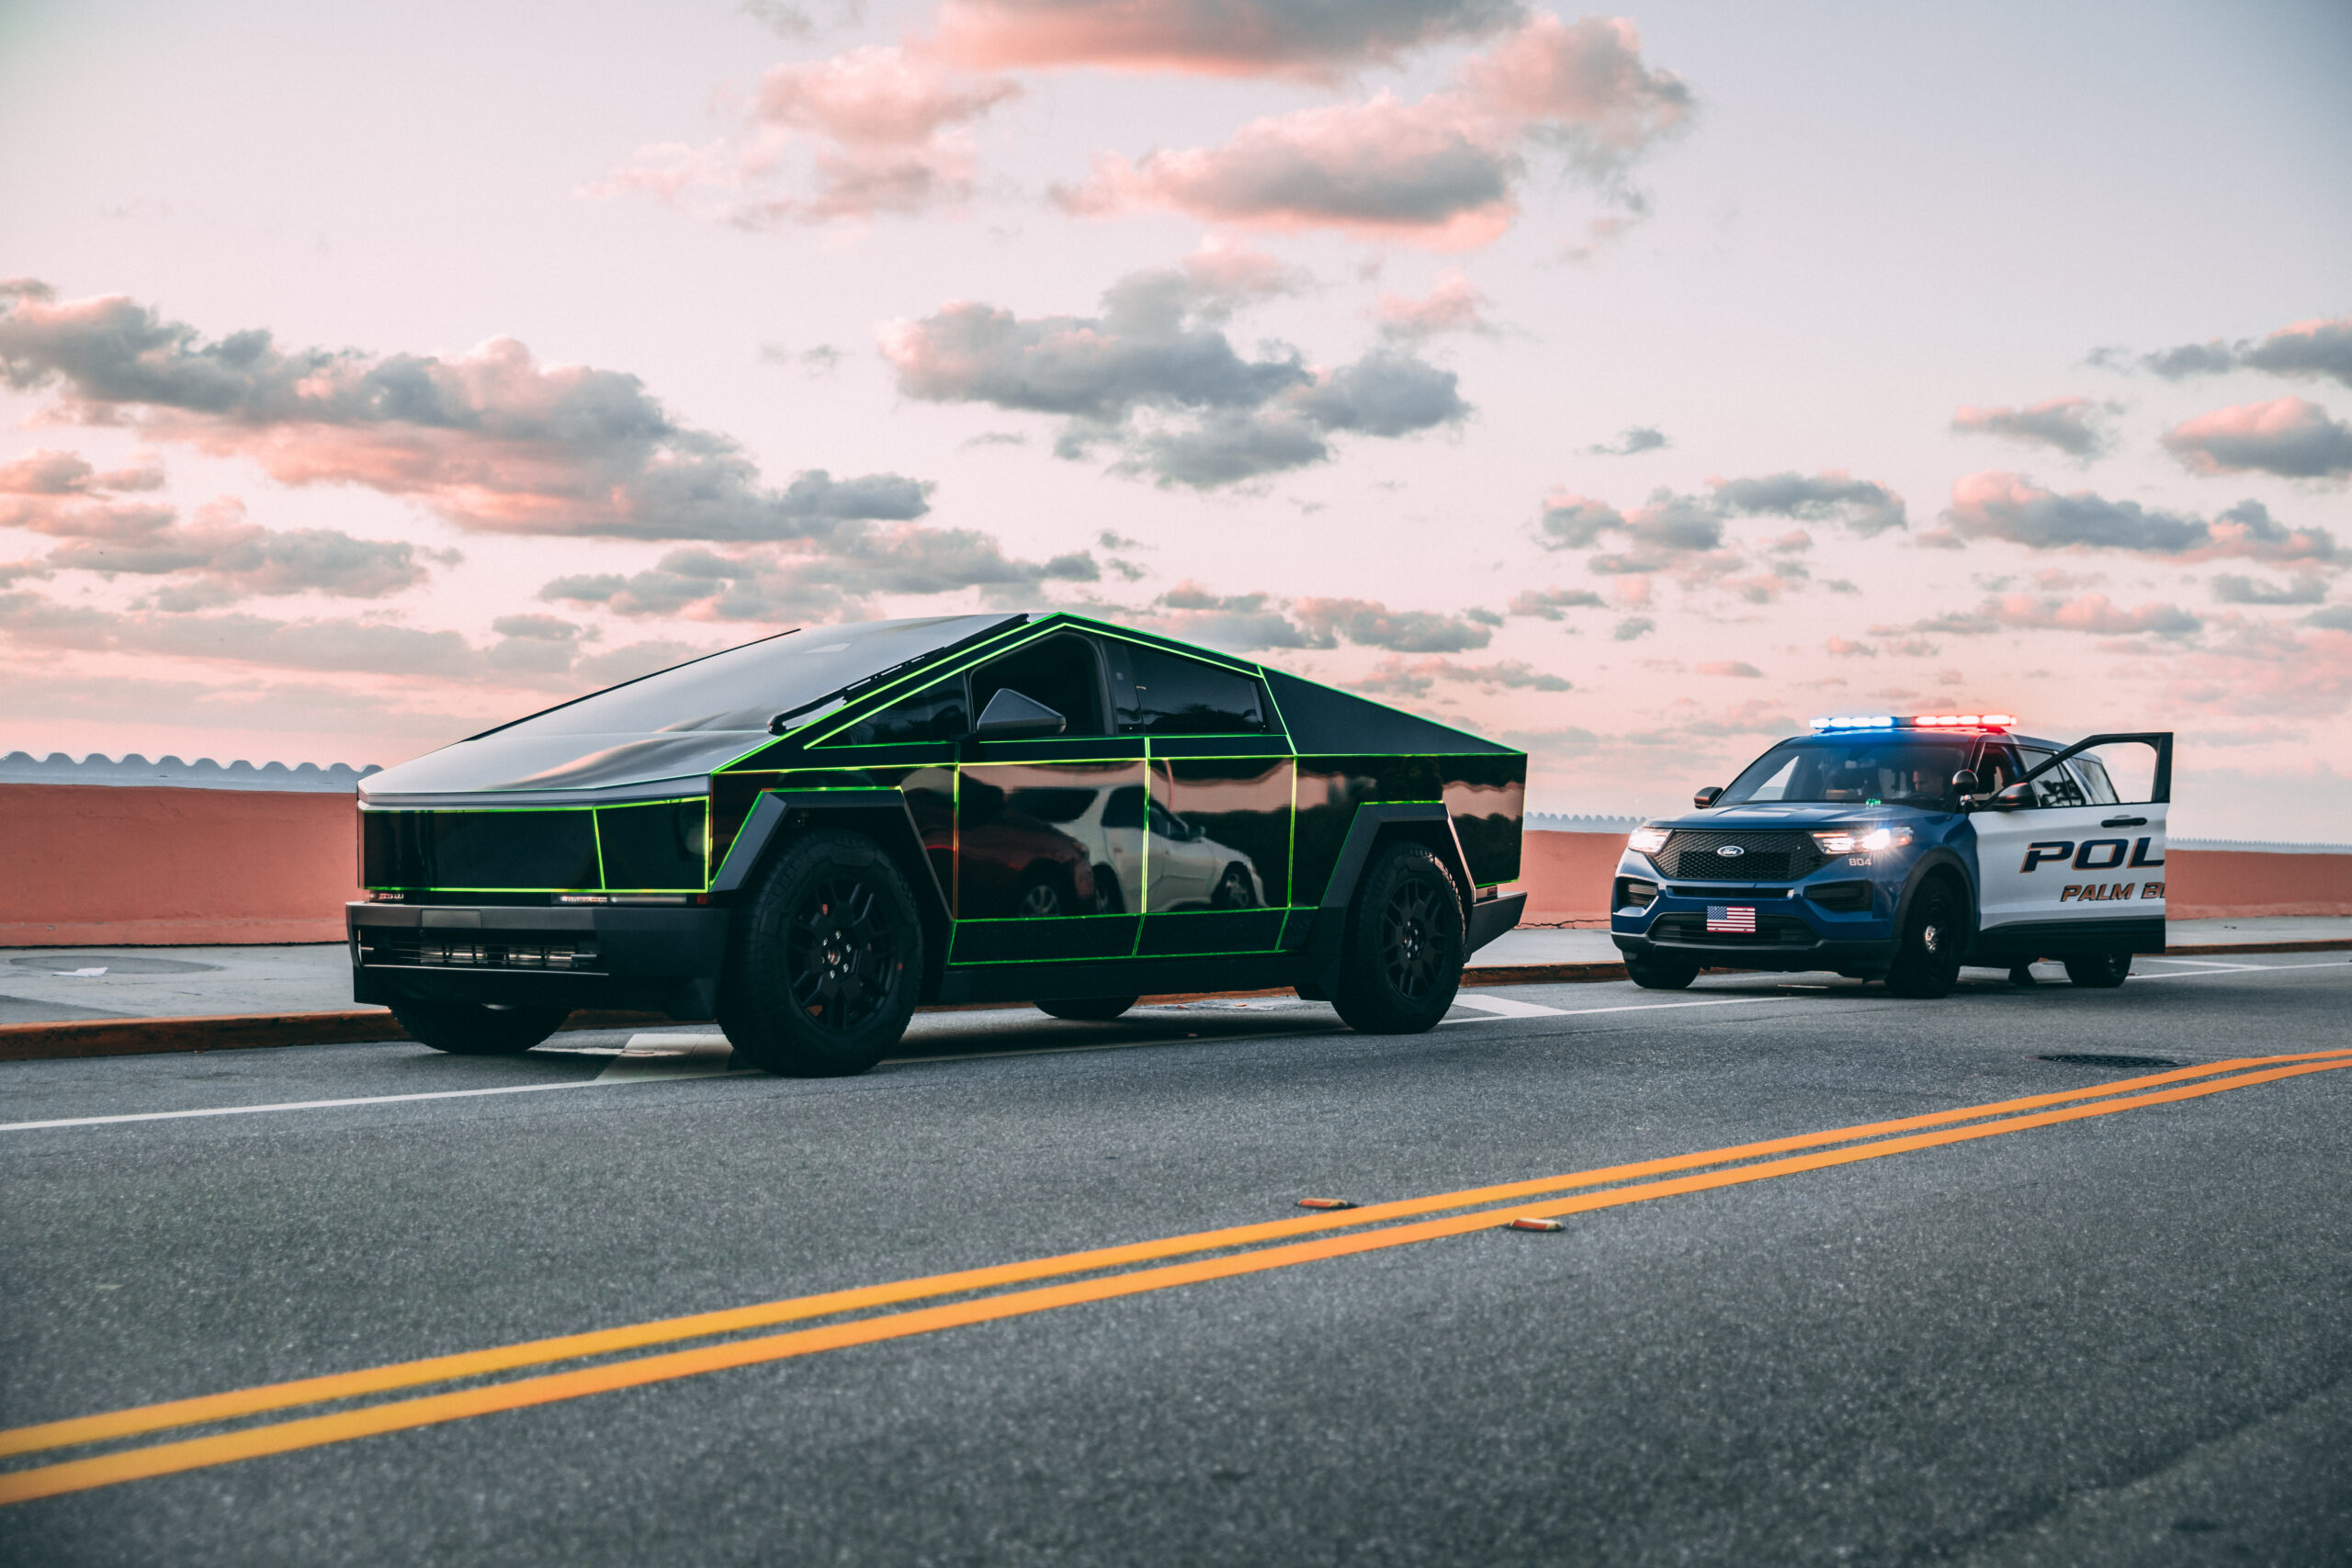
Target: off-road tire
<point>1659,974</point>
<point>1087,1009</point>
<point>1926,957</point>
<point>2099,971</point>
<point>824,959</point>
<point>476,1028</point>
<point>1400,961</point>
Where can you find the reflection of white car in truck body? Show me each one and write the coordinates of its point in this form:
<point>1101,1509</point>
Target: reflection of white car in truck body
<point>1186,869</point>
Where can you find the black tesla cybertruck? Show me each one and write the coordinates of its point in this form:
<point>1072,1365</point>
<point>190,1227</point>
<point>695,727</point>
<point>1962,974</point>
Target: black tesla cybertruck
<point>806,837</point>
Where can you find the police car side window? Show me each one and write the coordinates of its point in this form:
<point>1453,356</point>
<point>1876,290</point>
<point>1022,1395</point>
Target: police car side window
<point>2056,787</point>
<point>2093,774</point>
<point>1996,769</point>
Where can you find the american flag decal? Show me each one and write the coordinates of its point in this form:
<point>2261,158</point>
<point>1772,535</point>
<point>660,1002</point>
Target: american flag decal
<point>1737,918</point>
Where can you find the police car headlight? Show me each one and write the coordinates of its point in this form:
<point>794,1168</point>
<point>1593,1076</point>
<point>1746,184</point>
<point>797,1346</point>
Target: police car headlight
<point>1646,840</point>
<point>1860,840</point>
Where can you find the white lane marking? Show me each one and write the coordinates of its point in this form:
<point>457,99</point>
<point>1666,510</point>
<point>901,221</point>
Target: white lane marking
<point>1640,1007</point>
<point>649,1057</point>
<point>2238,969</point>
<point>1503,1007</point>
<point>2197,963</point>
<point>291,1105</point>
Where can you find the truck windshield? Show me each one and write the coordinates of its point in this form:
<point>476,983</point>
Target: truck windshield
<point>1852,771</point>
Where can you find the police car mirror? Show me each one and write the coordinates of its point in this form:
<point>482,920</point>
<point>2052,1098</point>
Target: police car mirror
<point>1965,783</point>
<point>1707,796</point>
<point>2011,799</point>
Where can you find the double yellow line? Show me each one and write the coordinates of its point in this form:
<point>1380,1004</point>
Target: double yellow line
<point>1098,1275</point>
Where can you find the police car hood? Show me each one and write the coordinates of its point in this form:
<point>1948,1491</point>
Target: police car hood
<point>1806,814</point>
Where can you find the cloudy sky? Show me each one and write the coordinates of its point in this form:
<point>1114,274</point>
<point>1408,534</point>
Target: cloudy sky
<point>1629,387</point>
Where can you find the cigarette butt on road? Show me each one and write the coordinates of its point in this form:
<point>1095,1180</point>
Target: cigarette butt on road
<point>1530,1222</point>
<point>1325,1203</point>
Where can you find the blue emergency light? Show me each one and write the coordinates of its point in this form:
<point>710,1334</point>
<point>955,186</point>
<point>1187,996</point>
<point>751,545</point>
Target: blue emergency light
<point>1844,722</point>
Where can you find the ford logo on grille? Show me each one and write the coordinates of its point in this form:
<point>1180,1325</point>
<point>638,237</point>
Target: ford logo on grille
<point>1731,849</point>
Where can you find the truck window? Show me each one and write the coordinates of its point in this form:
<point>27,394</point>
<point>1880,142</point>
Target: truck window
<point>1165,694</point>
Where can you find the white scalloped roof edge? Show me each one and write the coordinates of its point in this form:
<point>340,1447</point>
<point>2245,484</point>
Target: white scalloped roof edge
<point>57,768</point>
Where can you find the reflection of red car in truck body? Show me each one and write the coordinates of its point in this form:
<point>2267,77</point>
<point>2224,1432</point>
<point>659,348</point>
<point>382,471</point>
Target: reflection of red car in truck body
<point>1012,864</point>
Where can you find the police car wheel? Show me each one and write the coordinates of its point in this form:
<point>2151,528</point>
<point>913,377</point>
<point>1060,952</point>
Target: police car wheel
<point>1660,974</point>
<point>2099,971</point>
<point>475,1029</point>
<point>1087,1009</point>
<point>824,959</point>
<point>1400,962</point>
<point>1926,961</point>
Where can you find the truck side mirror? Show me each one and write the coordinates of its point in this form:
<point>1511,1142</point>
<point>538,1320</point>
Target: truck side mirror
<point>1707,796</point>
<point>1010,715</point>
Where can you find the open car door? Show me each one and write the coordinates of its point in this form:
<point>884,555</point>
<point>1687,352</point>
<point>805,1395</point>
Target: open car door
<point>2070,858</point>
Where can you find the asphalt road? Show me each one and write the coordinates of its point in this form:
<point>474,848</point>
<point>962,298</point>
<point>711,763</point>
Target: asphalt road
<point>2117,1339</point>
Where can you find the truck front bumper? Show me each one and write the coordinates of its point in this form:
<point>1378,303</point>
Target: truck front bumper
<point>632,959</point>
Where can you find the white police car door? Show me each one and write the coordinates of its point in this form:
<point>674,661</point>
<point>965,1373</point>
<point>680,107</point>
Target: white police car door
<point>2087,852</point>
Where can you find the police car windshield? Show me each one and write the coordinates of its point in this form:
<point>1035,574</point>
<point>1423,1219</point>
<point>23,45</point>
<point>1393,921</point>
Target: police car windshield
<point>1877,769</point>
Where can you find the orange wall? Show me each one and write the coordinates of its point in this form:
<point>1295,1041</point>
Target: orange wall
<point>82,864</point>
<point>1567,876</point>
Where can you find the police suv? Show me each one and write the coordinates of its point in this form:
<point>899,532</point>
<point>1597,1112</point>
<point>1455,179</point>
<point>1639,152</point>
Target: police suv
<point>1900,849</point>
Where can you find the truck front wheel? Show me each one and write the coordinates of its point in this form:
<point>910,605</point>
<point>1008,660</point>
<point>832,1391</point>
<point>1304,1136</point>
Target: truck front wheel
<point>824,959</point>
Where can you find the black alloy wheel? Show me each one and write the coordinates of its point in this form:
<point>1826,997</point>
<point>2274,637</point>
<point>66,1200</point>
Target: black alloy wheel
<point>1927,959</point>
<point>824,961</point>
<point>2099,971</point>
<point>1655,974</point>
<point>1087,1009</point>
<point>477,1029</point>
<point>1401,959</point>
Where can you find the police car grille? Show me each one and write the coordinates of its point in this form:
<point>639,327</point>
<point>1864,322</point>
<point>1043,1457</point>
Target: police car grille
<point>1690,856</point>
<point>409,950</point>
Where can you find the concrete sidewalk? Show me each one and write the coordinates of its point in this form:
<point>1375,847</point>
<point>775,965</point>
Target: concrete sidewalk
<point>61,984</point>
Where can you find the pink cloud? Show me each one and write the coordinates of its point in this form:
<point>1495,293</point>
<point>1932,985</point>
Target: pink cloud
<point>2288,437</point>
<point>2087,613</point>
<point>882,129</point>
<point>1442,171</point>
<point>1998,506</point>
<point>1454,304</point>
<point>1219,38</point>
<point>492,440</point>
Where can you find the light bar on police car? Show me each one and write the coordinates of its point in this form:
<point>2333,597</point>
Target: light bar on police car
<point>1917,721</point>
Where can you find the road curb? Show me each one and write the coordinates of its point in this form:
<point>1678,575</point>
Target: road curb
<point>246,1031</point>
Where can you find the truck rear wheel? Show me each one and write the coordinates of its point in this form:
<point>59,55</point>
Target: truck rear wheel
<point>1401,960</point>
<point>824,959</point>
<point>1927,960</point>
<point>476,1028</point>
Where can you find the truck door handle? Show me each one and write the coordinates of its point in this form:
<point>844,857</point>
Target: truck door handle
<point>2125,822</point>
